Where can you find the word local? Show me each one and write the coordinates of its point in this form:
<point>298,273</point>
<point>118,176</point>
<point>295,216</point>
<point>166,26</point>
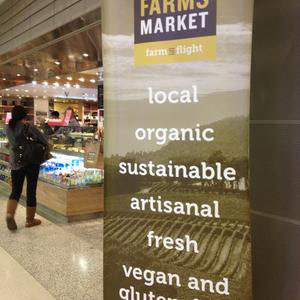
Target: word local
<point>173,97</point>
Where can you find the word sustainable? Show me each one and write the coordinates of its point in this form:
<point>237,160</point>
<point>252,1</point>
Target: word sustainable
<point>206,172</point>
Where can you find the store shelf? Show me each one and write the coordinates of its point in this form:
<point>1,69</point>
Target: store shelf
<point>66,152</point>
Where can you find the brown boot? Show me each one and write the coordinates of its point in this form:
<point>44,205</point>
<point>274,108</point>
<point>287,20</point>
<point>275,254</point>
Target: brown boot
<point>10,214</point>
<point>30,220</point>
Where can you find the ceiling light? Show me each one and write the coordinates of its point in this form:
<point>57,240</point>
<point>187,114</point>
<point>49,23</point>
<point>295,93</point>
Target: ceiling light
<point>26,91</point>
<point>77,86</point>
<point>56,84</point>
<point>35,70</point>
<point>57,77</point>
<point>45,83</point>
<point>34,82</point>
<point>68,85</point>
<point>57,63</point>
<point>16,90</point>
<point>69,78</point>
<point>7,89</point>
<point>18,75</point>
<point>4,79</point>
<point>93,81</point>
<point>85,55</point>
<point>81,79</point>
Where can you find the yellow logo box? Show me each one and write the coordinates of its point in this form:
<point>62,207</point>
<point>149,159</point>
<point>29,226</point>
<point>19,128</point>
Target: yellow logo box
<point>184,50</point>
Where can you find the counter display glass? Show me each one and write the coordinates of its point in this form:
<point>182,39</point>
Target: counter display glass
<point>68,171</point>
<point>66,186</point>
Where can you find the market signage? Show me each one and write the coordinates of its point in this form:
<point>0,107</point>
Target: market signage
<point>174,31</point>
<point>177,209</point>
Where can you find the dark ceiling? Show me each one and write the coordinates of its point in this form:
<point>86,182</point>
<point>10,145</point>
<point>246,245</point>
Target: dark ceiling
<point>72,48</point>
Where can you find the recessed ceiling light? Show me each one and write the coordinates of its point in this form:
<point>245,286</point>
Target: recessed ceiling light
<point>57,63</point>
<point>26,91</point>
<point>7,89</point>
<point>4,79</point>
<point>85,55</point>
<point>35,70</point>
<point>93,81</point>
<point>34,82</point>
<point>81,79</point>
<point>57,77</point>
<point>69,78</point>
<point>18,75</point>
<point>16,90</point>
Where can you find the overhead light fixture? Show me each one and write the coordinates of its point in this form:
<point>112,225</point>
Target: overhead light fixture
<point>4,79</point>
<point>16,90</point>
<point>57,63</point>
<point>69,78</point>
<point>93,81</point>
<point>45,83</point>
<point>56,84</point>
<point>18,75</point>
<point>68,85</point>
<point>85,55</point>
<point>57,77</point>
<point>35,70</point>
<point>81,79</point>
<point>77,86</point>
<point>26,91</point>
<point>34,82</point>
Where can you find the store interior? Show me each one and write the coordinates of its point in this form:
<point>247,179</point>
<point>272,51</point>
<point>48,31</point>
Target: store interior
<point>64,77</point>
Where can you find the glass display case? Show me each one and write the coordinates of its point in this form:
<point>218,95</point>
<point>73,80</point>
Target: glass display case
<point>68,171</point>
<point>66,186</point>
<point>67,139</point>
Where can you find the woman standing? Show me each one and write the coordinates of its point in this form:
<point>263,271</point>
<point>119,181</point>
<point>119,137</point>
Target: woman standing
<point>19,172</point>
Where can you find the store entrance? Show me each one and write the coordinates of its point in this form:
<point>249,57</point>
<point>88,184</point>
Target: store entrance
<point>61,88</point>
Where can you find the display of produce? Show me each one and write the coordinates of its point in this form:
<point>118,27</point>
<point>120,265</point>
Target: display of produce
<point>69,172</point>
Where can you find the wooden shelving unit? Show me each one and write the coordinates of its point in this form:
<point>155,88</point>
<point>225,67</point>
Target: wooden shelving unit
<point>7,103</point>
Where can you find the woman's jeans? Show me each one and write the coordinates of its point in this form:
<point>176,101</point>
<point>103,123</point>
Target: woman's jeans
<point>31,172</point>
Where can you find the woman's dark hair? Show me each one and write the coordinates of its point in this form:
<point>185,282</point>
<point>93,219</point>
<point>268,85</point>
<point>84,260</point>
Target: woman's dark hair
<point>18,114</point>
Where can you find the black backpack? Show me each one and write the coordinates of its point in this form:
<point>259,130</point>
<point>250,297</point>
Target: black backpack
<point>28,149</point>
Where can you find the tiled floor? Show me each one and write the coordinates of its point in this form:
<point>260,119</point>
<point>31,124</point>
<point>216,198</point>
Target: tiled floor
<point>64,259</point>
<point>16,283</point>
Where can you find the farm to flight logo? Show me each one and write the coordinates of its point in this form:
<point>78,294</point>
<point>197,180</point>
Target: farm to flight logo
<point>170,31</point>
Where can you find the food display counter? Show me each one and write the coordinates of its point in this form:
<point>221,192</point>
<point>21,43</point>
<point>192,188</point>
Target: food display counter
<point>68,189</point>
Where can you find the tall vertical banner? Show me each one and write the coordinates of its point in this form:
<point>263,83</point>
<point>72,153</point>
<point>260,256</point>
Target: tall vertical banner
<point>177,80</point>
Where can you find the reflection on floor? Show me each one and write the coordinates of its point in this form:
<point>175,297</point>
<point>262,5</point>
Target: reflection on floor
<point>65,259</point>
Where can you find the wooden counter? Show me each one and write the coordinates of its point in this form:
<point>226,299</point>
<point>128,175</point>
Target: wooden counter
<point>71,204</point>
